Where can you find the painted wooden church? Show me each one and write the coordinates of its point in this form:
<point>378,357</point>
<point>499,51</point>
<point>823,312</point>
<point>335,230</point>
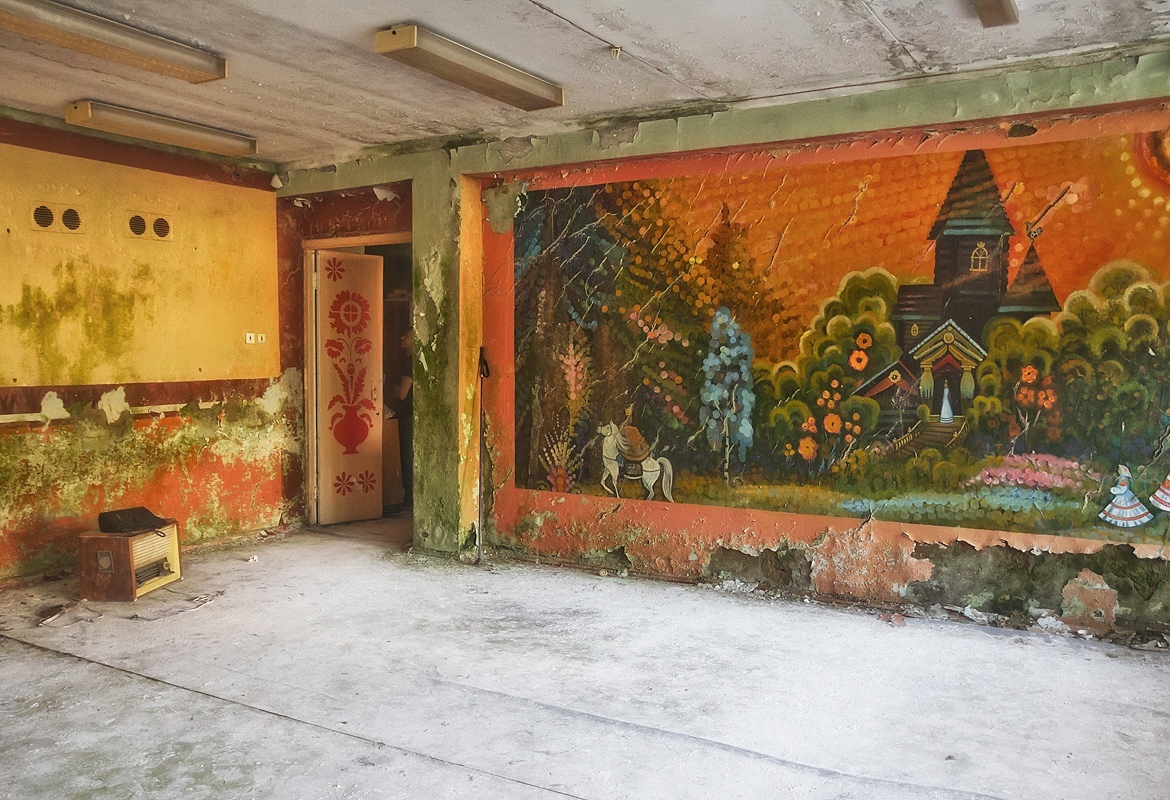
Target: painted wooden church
<point>940,325</point>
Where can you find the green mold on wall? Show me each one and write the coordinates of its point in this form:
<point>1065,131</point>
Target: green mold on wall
<point>204,466</point>
<point>1002,580</point>
<point>84,320</point>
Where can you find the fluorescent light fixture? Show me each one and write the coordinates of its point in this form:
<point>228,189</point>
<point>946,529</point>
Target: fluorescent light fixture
<point>105,38</point>
<point>994,13</point>
<point>153,128</point>
<point>458,64</point>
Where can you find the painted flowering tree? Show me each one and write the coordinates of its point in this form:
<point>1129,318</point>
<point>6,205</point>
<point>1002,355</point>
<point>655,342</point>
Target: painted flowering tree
<point>727,395</point>
<point>1088,383</point>
<point>811,414</point>
<point>1019,400</point>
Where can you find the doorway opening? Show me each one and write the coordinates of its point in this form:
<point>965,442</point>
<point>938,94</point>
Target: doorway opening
<point>398,379</point>
<point>359,386</point>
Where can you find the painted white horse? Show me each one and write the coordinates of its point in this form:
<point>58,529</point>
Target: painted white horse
<point>612,444</point>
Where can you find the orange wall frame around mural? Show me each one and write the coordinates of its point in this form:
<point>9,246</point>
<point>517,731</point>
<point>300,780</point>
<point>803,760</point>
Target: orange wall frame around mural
<point>954,240</point>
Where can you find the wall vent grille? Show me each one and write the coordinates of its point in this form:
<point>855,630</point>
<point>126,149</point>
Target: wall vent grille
<point>152,227</point>
<point>57,218</point>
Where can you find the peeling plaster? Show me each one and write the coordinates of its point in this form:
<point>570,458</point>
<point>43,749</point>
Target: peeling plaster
<point>614,135</point>
<point>288,391</point>
<point>113,404</point>
<point>515,148</point>
<point>503,204</point>
<point>217,468</point>
<point>1088,600</point>
<point>53,407</point>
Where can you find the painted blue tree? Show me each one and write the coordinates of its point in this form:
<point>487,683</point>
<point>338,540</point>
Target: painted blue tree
<point>728,395</point>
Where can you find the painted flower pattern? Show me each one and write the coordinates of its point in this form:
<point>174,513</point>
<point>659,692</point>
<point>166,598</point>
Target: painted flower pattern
<point>334,269</point>
<point>859,360</point>
<point>807,448</point>
<point>343,484</point>
<point>350,313</point>
<point>367,482</point>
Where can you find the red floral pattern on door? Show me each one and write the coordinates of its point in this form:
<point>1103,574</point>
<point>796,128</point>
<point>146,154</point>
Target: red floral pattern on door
<point>348,317</point>
<point>350,378</point>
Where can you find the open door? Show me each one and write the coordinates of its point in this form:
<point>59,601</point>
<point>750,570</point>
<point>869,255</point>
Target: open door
<point>348,398</point>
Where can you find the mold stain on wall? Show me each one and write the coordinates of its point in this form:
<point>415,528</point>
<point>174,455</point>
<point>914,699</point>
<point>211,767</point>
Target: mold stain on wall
<point>969,339</point>
<point>95,306</point>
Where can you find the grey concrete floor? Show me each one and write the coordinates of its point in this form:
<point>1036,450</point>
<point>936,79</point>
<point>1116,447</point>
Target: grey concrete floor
<point>338,666</point>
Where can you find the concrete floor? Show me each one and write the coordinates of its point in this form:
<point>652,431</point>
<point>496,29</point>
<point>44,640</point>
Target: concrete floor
<point>335,666</point>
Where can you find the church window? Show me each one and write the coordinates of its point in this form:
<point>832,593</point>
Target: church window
<point>979,258</point>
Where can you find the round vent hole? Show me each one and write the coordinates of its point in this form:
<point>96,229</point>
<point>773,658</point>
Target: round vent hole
<point>43,216</point>
<point>162,228</point>
<point>71,219</point>
<point>137,225</point>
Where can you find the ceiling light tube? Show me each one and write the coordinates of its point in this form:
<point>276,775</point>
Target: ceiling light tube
<point>97,36</point>
<point>458,64</point>
<point>153,128</point>
<point>994,13</point>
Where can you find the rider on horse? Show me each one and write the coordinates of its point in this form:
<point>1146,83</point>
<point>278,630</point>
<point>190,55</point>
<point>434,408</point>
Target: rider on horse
<point>632,447</point>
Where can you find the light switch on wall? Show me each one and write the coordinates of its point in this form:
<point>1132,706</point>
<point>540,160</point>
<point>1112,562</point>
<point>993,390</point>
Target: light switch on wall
<point>261,338</point>
<point>249,338</point>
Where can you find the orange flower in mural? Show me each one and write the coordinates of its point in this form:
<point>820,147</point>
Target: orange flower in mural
<point>832,423</point>
<point>1030,374</point>
<point>864,341</point>
<point>859,360</point>
<point>808,448</point>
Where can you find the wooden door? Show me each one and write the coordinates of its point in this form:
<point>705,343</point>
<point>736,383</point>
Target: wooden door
<point>349,386</point>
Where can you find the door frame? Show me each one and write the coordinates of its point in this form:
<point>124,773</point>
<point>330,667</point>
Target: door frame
<point>311,334</point>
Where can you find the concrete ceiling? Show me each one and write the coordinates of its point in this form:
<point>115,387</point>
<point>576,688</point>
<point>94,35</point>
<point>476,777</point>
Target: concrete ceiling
<point>302,77</point>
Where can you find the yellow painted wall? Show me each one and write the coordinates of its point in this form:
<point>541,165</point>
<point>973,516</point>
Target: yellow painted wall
<point>103,305</point>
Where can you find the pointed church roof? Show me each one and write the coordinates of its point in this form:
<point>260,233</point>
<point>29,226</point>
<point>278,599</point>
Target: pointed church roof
<point>1030,293</point>
<point>972,204</point>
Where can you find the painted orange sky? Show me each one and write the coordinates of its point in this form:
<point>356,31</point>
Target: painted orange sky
<point>814,224</point>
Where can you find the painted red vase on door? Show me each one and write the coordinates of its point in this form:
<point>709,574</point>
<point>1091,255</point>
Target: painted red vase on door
<point>349,380</point>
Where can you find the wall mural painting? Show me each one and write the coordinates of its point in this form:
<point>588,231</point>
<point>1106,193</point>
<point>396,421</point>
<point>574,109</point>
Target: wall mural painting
<point>976,339</point>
